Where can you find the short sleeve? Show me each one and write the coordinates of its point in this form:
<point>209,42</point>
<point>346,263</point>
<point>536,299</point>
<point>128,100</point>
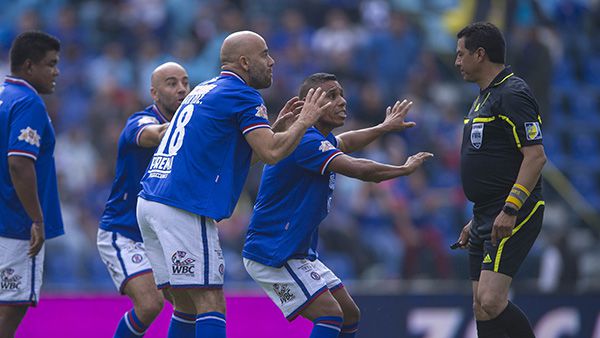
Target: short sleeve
<point>522,114</point>
<point>27,125</point>
<point>252,113</point>
<point>136,125</point>
<point>315,152</point>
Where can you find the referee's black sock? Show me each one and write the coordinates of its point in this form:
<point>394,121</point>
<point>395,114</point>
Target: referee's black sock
<point>515,322</point>
<point>490,329</point>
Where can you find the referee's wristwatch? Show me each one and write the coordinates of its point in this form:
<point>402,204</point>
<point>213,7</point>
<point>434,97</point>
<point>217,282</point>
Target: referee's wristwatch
<point>510,210</point>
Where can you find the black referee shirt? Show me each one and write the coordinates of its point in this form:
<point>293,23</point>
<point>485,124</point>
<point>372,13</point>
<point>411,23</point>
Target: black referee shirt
<point>504,117</point>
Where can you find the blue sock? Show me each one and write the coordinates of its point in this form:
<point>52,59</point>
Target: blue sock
<point>130,326</point>
<point>326,327</point>
<point>349,331</point>
<point>210,325</point>
<point>182,325</point>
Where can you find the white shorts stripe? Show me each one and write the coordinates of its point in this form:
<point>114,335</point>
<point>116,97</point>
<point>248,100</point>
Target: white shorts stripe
<point>211,317</point>
<point>329,326</point>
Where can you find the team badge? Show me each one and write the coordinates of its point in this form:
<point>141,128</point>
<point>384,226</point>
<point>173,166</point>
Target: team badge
<point>315,276</point>
<point>261,111</point>
<point>533,131</point>
<point>30,136</point>
<point>325,146</point>
<point>137,258</point>
<point>477,135</point>
<point>147,120</point>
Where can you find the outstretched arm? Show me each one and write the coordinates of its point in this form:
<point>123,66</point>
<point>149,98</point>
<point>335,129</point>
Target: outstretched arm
<point>152,135</point>
<point>272,147</point>
<point>354,140</point>
<point>371,171</point>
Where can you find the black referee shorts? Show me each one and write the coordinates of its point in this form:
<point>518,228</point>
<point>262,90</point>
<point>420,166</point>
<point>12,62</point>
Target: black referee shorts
<point>506,257</point>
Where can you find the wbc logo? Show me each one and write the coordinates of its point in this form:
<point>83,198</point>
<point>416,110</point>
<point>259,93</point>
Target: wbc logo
<point>182,265</point>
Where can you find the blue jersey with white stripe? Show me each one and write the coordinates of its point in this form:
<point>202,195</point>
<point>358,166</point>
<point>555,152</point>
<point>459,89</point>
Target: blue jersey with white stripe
<point>294,197</point>
<point>203,160</point>
<point>26,130</point>
<point>132,161</point>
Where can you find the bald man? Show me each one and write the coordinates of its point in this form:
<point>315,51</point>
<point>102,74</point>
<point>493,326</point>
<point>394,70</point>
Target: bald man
<point>119,239</point>
<point>197,173</point>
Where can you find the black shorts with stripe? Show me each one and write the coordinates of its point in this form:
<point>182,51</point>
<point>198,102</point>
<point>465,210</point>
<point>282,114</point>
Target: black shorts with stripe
<point>506,257</point>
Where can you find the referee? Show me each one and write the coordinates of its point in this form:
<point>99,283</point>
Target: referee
<point>501,160</point>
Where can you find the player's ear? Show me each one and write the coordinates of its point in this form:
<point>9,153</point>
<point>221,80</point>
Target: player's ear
<point>28,66</point>
<point>153,94</point>
<point>244,62</point>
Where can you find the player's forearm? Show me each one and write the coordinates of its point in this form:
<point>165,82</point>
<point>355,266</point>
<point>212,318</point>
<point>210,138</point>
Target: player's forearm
<point>152,135</point>
<point>357,139</point>
<point>371,171</point>
<point>24,180</point>
<point>530,170</point>
<point>283,144</point>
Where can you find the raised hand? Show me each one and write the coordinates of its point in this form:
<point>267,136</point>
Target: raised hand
<point>288,114</point>
<point>394,116</point>
<point>415,161</point>
<point>314,107</point>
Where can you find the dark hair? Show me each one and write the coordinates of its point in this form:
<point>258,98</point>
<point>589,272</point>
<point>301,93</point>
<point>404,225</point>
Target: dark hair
<point>314,81</point>
<point>31,45</point>
<point>487,36</point>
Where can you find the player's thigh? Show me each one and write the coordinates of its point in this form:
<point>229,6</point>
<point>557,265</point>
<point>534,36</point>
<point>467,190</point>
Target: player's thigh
<point>292,287</point>
<point>125,259</point>
<point>349,308</point>
<point>190,245</point>
<point>20,274</point>
<point>493,288</point>
<point>10,318</point>
<point>507,256</point>
<point>154,249</point>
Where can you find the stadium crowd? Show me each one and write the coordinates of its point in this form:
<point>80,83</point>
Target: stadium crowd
<point>380,51</point>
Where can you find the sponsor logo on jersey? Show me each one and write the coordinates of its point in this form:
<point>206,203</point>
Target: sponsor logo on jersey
<point>533,131</point>
<point>9,280</point>
<point>147,120</point>
<point>30,136</point>
<point>283,292</point>
<point>477,135</point>
<point>182,265</point>
<point>325,146</point>
<point>261,111</point>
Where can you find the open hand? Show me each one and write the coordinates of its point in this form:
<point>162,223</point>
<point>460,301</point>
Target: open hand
<point>415,161</point>
<point>314,106</point>
<point>287,115</point>
<point>394,116</point>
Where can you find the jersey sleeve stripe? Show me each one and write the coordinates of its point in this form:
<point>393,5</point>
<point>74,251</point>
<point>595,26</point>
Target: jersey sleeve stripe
<point>22,153</point>
<point>514,129</point>
<point>329,159</point>
<point>139,133</point>
<point>255,126</point>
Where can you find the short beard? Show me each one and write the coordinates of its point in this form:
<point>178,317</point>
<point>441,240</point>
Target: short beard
<point>259,80</point>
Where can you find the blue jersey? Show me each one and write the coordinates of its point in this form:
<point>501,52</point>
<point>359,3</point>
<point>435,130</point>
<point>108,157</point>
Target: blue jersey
<point>132,161</point>
<point>294,197</point>
<point>25,130</point>
<point>203,159</point>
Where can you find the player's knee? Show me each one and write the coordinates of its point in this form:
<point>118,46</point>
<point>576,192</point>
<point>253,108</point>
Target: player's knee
<point>491,304</point>
<point>151,306</point>
<point>332,309</point>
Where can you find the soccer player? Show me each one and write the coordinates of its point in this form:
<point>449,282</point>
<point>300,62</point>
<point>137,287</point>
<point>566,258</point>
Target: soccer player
<point>502,158</point>
<point>29,203</point>
<point>196,175</point>
<point>295,195</point>
<point>119,238</point>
